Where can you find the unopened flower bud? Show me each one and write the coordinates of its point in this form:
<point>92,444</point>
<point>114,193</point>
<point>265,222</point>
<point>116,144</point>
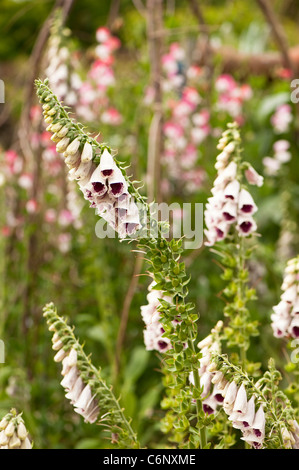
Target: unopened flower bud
<point>22,431</point>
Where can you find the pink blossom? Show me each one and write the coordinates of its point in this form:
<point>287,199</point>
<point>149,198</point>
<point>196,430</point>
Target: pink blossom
<point>253,177</point>
<point>173,130</point>
<point>194,72</point>
<point>6,231</point>
<point>201,118</point>
<point>13,161</point>
<point>169,64</point>
<point>225,83</point>
<point>113,43</point>
<point>183,108</point>
<point>192,96</point>
<point>31,206</point>
<point>111,116</point>
<point>103,52</point>
<point>245,92</point>
<point>102,34</point>
<point>189,156</point>
<point>64,242</point>
<point>198,134</point>
<point>272,165</point>
<point>282,118</point>
<point>35,113</point>
<point>25,181</point>
<point>177,51</point>
<point>50,215</point>
<point>65,218</point>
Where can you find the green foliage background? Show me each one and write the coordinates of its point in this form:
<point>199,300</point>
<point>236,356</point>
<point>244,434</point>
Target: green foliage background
<point>90,283</point>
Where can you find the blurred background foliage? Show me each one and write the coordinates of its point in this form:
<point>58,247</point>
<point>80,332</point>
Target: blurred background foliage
<point>90,282</point>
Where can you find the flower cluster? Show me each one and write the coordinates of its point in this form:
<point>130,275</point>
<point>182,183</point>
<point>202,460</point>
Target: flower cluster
<point>77,391</point>
<point>231,96</point>
<point>291,436</point>
<point>242,412</point>
<point>13,432</point>
<point>154,337</point>
<point>107,192</point>
<point>64,213</point>
<point>230,395</point>
<point>93,93</point>
<point>285,319</point>
<point>77,387</point>
<point>211,394</point>
<point>104,185</point>
<point>230,204</point>
<point>64,80</point>
<point>186,125</point>
<point>84,386</point>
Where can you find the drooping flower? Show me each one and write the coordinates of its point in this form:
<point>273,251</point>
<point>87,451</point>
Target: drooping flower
<point>76,389</point>
<point>213,385</point>
<point>154,338</point>
<point>253,177</point>
<point>104,185</point>
<point>243,412</point>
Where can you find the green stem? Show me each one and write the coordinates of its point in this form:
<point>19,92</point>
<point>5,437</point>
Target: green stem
<point>240,291</point>
<point>202,429</point>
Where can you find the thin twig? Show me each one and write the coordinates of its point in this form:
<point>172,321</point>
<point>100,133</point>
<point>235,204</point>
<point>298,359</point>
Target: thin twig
<point>155,142</point>
<point>282,43</point>
<point>277,30</point>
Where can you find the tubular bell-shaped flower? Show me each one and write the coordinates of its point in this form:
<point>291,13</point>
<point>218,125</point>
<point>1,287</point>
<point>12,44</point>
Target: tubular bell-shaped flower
<point>154,337</point>
<point>100,178</point>
<point>231,204</point>
<point>285,319</point>
<point>241,409</point>
<point>212,384</point>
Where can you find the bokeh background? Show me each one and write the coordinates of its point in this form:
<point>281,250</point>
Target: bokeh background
<point>119,65</point>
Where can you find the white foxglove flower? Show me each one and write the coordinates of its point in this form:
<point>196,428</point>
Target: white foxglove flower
<point>231,205</point>
<point>240,403</point>
<point>153,333</point>
<point>244,420</point>
<point>285,314</point>
<point>78,392</point>
<point>246,203</point>
<point>246,225</point>
<point>232,190</point>
<point>117,183</point>
<point>107,164</point>
<point>256,434</point>
<point>230,394</point>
